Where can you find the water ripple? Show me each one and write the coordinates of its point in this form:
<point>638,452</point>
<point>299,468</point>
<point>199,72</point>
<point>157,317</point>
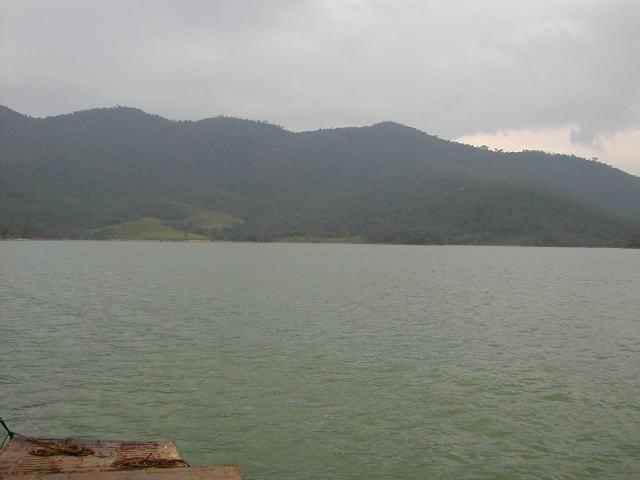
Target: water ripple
<point>331,361</point>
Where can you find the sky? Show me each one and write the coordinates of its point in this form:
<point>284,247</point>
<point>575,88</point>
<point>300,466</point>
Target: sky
<point>555,75</point>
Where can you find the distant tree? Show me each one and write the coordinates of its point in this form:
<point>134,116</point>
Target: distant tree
<point>633,241</point>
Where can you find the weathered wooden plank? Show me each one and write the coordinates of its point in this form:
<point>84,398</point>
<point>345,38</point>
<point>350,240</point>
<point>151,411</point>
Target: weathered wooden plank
<point>25,458</point>
<point>18,458</point>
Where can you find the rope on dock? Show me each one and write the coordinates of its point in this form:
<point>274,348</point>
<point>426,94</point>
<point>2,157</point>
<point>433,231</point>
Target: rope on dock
<point>2,422</point>
<point>150,461</point>
<point>9,432</point>
<point>67,447</point>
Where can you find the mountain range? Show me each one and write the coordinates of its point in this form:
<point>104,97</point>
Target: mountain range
<point>122,173</point>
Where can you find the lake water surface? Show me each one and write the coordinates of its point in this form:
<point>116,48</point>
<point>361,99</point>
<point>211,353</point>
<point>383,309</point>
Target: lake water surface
<point>331,361</point>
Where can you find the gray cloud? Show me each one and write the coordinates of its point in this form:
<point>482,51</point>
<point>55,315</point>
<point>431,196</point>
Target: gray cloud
<point>585,136</point>
<point>448,67</point>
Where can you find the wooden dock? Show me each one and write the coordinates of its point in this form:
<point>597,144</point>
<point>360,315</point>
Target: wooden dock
<point>26,458</point>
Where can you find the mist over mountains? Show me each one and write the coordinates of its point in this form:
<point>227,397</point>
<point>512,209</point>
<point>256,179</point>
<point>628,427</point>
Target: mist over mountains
<point>123,173</point>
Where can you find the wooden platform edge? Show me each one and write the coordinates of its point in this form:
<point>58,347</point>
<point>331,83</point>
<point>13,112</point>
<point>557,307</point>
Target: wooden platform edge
<point>99,460</point>
<point>218,472</point>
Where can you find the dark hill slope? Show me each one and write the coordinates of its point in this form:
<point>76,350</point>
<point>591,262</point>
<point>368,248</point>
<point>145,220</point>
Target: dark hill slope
<point>67,175</point>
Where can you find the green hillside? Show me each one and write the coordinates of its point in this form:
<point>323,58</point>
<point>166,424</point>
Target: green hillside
<point>204,222</point>
<point>122,173</point>
<point>144,229</point>
<point>192,223</point>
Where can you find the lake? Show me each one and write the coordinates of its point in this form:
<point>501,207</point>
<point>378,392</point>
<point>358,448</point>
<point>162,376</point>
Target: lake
<point>310,361</point>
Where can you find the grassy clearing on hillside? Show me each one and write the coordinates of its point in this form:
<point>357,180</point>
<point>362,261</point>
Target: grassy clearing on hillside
<point>204,221</point>
<point>148,228</point>
<point>196,224</point>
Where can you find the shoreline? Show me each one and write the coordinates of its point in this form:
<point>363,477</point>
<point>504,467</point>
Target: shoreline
<point>328,242</point>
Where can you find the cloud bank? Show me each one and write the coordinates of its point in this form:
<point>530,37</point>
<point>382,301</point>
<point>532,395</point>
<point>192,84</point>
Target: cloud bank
<point>454,69</point>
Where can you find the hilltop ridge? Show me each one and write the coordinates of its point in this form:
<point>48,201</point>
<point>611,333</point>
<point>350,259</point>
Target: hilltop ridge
<point>69,176</point>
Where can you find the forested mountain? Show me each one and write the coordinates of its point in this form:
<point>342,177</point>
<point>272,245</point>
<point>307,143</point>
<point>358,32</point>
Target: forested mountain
<point>122,173</point>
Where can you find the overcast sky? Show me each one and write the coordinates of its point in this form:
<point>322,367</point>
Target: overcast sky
<point>561,75</point>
